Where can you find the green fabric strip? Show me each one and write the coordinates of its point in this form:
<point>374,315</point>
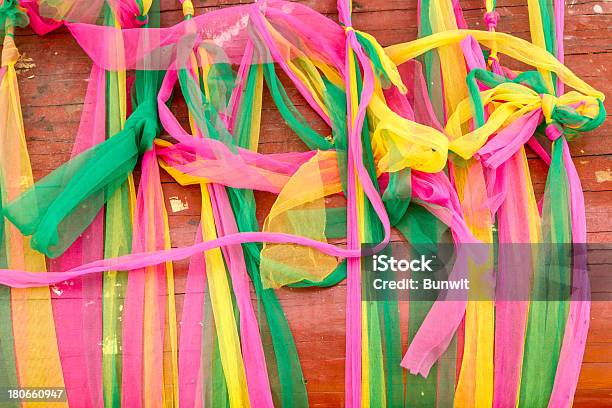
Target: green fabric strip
<point>119,154</point>
<point>291,115</point>
<point>384,348</point>
<point>8,369</point>
<point>379,70</point>
<point>552,280</point>
<point>397,195</point>
<point>117,241</point>
<point>424,230</point>
<point>431,64</point>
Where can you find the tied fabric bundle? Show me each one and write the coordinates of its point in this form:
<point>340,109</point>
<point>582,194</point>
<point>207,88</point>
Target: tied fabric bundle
<point>433,148</point>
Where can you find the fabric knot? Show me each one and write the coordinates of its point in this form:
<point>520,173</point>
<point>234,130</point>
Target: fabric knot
<point>145,124</point>
<point>570,114</point>
<point>348,29</point>
<point>490,19</point>
<point>549,103</point>
<point>12,15</point>
<point>554,131</point>
<point>188,9</point>
<point>142,19</point>
<point>493,63</point>
<point>10,55</point>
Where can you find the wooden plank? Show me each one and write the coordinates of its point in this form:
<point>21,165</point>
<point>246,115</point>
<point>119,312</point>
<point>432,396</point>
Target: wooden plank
<point>53,85</point>
<point>593,398</point>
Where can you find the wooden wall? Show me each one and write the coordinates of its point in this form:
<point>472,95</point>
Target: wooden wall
<point>52,78</point>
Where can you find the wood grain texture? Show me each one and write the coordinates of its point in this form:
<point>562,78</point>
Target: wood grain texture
<point>53,86</point>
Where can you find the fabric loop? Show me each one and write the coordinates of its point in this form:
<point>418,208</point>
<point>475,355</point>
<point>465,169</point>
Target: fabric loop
<point>491,18</point>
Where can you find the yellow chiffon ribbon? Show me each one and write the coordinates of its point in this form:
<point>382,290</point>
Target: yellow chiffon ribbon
<point>507,44</point>
<point>36,352</point>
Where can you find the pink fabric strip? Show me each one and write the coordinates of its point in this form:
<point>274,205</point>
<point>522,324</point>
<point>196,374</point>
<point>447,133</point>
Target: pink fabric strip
<point>247,166</point>
<point>511,316</point>
<point>166,43</point>
<point>577,326</point>
<point>559,7</point>
<point>243,175</point>
<point>253,354</point>
<point>77,307</point>
<point>190,338</point>
<point>442,321</point>
<point>352,368</point>
<point>147,234</point>
<point>539,150</point>
<point>40,25</point>
<point>510,139</point>
<point>461,23</point>
<point>252,349</point>
<point>254,358</point>
<point>354,327</point>
<point>507,189</point>
<point>258,21</point>
<point>241,78</point>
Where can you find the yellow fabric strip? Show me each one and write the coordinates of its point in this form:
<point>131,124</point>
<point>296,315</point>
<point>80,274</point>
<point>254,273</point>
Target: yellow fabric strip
<point>256,111</point>
<point>160,364</point>
<point>36,352</point>
<point>117,236</point>
<point>300,210</point>
<point>171,392</point>
<point>121,88</point>
<point>442,18</point>
<point>389,67</point>
<point>359,198</point>
<point>475,384</point>
<point>507,44</point>
<point>188,9</point>
<point>227,332</point>
<point>537,37</point>
<point>220,294</point>
<point>398,143</point>
<point>146,6</point>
